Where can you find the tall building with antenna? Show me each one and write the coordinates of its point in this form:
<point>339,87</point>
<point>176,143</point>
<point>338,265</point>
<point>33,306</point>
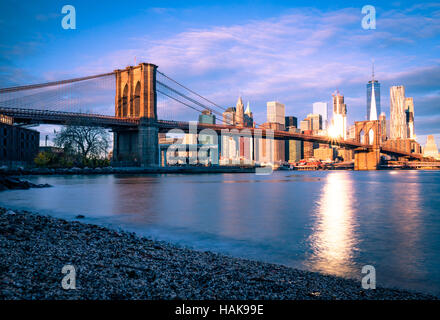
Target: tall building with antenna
<point>373,98</point>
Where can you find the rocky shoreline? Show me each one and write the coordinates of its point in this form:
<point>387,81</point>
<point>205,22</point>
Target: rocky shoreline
<point>11,183</point>
<point>111,264</point>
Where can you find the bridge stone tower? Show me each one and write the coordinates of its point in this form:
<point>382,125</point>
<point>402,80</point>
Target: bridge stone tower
<point>136,98</point>
<point>367,132</point>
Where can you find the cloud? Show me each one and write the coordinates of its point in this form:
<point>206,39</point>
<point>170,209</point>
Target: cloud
<point>297,58</point>
<point>159,10</point>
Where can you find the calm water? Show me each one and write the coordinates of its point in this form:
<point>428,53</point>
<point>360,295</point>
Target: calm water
<point>332,222</point>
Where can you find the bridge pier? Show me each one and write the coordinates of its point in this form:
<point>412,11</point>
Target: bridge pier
<point>148,143</point>
<point>137,147</point>
<point>125,147</point>
<point>366,159</point>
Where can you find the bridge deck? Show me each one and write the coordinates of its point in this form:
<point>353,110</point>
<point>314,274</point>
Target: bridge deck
<point>61,118</point>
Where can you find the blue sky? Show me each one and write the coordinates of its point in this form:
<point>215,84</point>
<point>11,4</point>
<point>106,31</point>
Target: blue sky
<point>296,52</point>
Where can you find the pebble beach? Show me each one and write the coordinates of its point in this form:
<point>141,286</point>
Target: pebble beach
<point>112,264</point>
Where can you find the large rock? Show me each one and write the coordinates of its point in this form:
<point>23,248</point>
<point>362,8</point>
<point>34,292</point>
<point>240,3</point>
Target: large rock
<point>10,183</point>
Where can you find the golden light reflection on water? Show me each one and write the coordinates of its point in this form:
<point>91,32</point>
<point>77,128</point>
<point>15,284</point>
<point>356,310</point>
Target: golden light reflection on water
<point>333,239</point>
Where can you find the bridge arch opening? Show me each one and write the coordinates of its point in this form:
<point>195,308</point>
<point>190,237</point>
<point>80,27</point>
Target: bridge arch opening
<point>371,136</point>
<point>137,99</point>
<point>125,101</point>
<point>362,136</point>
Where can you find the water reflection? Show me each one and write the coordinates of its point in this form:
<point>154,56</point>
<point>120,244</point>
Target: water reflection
<point>333,222</point>
<point>406,214</point>
<point>333,240</point>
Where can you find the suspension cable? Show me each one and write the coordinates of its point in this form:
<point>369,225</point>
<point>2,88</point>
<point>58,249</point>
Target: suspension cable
<point>53,83</point>
<point>189,99</point>
<point>206,99</point>
<point>184,103</point>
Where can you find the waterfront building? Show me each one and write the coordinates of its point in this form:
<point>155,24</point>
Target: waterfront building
<point>229,153</point>
<point>246,143</point>
<point>324,153</point>
<point>373,98</point>
<point>236,149</point>
<point>18,146</point>
<point>430,149</point>
<point>293,148</point>
<point>275,112</point>
<point>345,154</point>
<point>409,110</point>
<point>189,139</point>
<point>406,145</point>
<point>398,126</point>
<point>339,122</point>
<point>290,121</point>
<point>207,117</point>
<point>322,109</point>
<point>307,151</point>
<point>277,146</point>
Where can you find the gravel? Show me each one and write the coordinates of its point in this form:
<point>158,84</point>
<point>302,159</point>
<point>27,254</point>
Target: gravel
<point>112,264</point>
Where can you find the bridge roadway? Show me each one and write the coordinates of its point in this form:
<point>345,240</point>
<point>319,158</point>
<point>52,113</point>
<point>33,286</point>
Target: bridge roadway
<point>34,116</point>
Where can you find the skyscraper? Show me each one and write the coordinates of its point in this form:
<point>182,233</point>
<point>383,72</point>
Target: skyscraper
<point>398,127</point>
<point>339,121</point>
<point>316,122</point>
<point>291,121</point>
<point>322,109</point>
<point>239,113</point>
<point>409,110</point>
<point>305,125</point>
<point>430,149</point>
<point>373,98</point>
<point>275,112</point>
<point>229,116</point>
<point>248,117</point>
<point>383,126</point>
<point>207,117</point>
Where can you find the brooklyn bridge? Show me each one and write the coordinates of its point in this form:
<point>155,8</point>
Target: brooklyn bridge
<point>148,102</point>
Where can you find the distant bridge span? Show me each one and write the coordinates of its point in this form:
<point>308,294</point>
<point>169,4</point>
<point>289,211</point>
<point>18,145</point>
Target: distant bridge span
<point>33,116</point>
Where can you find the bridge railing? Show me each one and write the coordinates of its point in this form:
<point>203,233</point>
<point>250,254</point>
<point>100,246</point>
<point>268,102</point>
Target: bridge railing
<point>34,115</point>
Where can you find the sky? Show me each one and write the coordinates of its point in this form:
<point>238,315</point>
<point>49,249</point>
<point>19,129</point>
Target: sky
<point>294,52</point>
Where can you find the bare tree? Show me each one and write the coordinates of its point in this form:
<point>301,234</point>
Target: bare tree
<point>84,140</point>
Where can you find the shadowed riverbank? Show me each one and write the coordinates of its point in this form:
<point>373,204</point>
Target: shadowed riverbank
<point>128,170</point>
<point>120,265</point>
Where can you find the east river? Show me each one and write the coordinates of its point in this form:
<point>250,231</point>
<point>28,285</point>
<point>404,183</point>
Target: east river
<point>333,222</point>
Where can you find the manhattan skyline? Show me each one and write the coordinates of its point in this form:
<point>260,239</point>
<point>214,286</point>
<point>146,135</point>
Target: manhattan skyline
<point>282,51</point>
